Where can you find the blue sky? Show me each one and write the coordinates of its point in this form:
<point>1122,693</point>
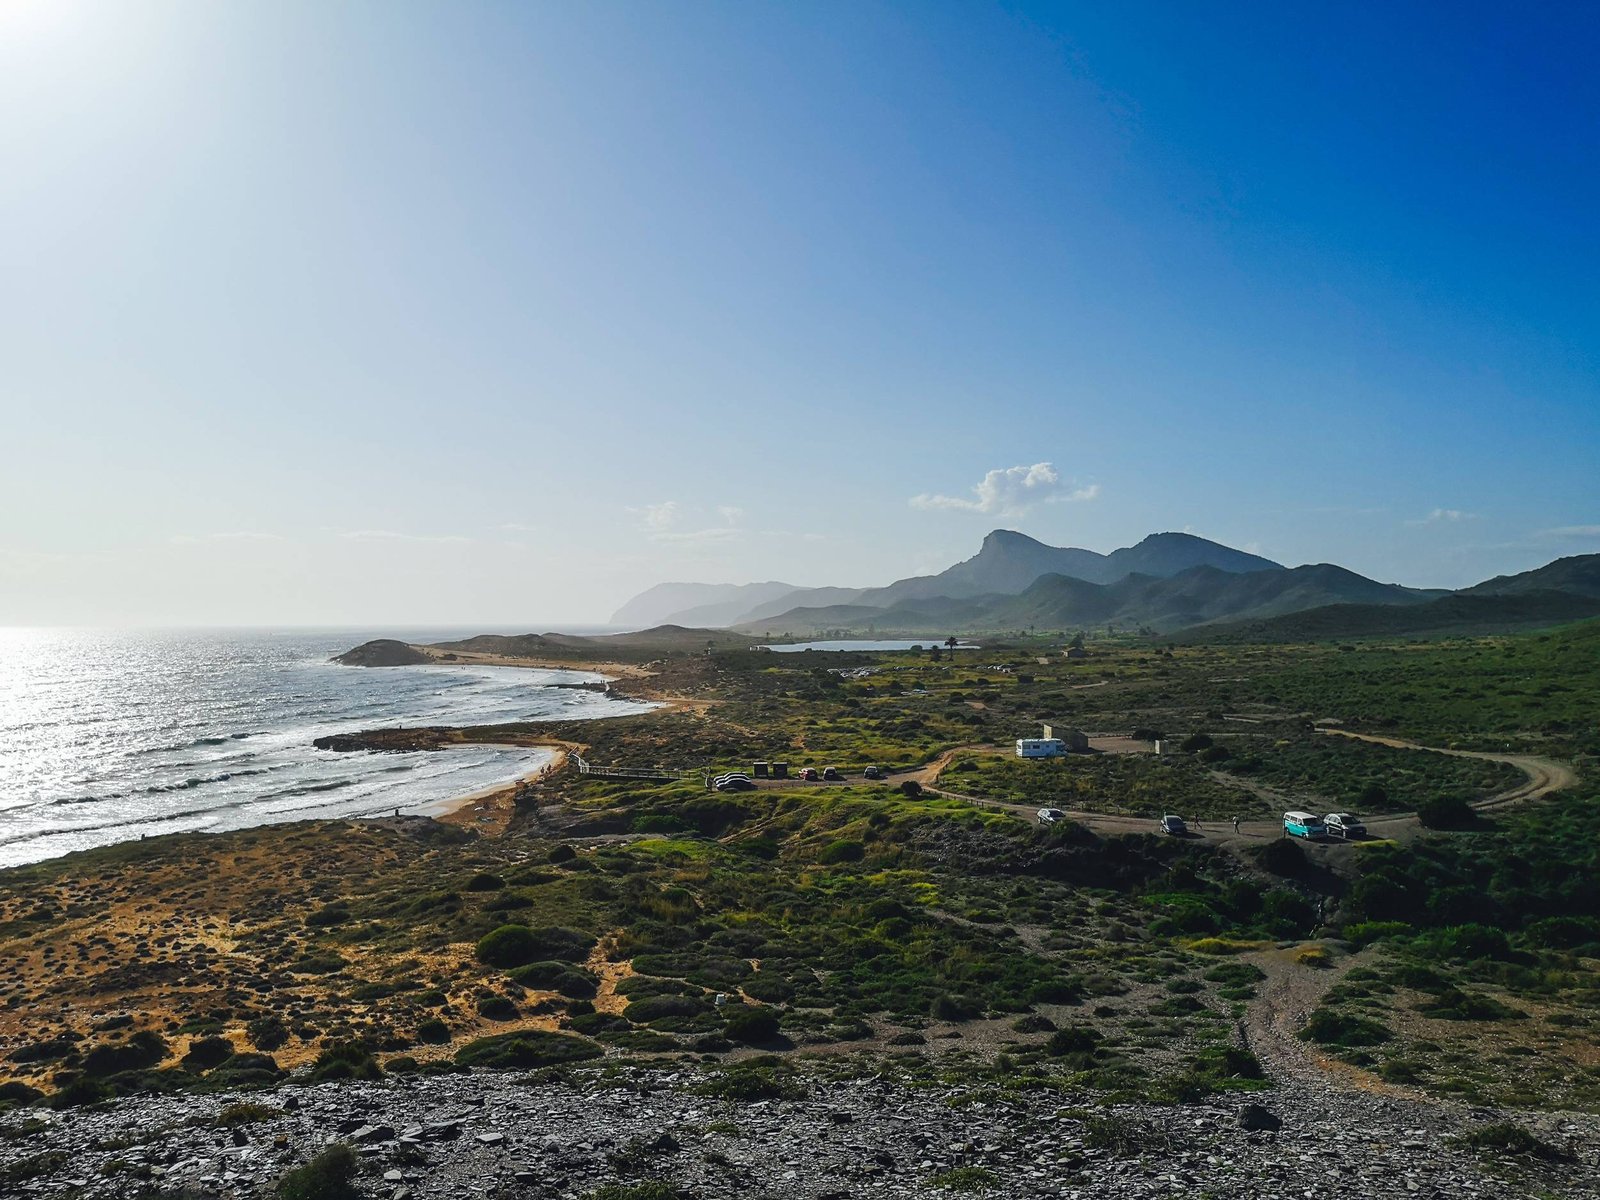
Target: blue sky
<point>497,313</point>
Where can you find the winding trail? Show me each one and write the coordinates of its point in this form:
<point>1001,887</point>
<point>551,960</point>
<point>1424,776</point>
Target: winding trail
<point>1272,1020</point>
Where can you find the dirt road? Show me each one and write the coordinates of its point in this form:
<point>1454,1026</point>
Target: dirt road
<point>1544,776</point>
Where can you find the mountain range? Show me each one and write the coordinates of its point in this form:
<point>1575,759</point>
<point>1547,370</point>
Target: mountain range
<point>1166,582</point>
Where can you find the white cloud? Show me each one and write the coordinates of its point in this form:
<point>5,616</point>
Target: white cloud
<point>731,513</point>
<point>655,517</point>
<point>717,533</point>
<point>1440,516</point>
<point>1011,492</point>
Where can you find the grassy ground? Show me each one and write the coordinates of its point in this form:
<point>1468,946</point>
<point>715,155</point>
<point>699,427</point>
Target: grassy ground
<point>914,934</point>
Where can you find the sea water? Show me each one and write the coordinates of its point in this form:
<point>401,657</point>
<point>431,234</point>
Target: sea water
<point>108,735</point>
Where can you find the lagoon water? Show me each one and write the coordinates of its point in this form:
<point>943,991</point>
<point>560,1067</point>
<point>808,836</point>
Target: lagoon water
<point>107,735</point>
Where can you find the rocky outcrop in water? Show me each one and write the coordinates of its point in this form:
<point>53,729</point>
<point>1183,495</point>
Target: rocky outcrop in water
<point>383,652</point>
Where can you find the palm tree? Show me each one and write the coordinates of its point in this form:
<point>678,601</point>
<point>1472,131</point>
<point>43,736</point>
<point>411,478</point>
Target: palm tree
<point>952,642</point>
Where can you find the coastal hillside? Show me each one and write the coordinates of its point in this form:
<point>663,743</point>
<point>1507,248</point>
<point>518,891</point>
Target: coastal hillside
<point>1192,597</point>
<point>1577,575</point>
<point>1455,615</point>
<point>1006,564</point>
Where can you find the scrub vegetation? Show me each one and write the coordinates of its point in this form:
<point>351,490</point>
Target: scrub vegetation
<point>879,927</point>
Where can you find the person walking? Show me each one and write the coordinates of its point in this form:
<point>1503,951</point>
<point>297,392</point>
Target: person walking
<point>1236,824</point>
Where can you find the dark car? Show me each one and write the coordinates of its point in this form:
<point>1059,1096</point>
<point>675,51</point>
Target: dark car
<point>831,774</point>
<point>873,773</point>
<point>1345,825</point>
<point>809,774</point>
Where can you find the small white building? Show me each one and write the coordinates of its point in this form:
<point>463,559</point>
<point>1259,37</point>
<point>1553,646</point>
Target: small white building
<point>1040,747</point>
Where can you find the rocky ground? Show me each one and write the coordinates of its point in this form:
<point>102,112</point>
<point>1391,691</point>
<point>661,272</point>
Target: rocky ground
<point>499,1135</point>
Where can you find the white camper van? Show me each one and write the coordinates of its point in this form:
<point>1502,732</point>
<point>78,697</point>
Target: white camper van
<point>1040,747</point>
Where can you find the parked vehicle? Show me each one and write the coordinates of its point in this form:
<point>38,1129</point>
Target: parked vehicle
<point>733,781</point>
<point>1040,747</point>
<point>1173,826</point>
<point>1304,825</point>
<point>873,773</point>
<point>831,774</point>
<point>1049,816</point>
<point>1345,825</point>
<point>809,774</point>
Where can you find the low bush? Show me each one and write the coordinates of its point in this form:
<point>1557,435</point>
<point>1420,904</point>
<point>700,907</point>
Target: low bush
<point>751,1026</point>
<point>433,1031</point>
<point>345,1060</point>
<point>842,851</point>
<point>267,1033</point>
<point>497,1008</point>
<point>1446,812</point>
<point>140,1052</point>
<point>1329,1027</point>
<point>329,1176</point>
<point>519,945</point>
<point>1453,1004</point>
<point>1503,1139</point>
<point>559,977</point>
<point>526,1048</point>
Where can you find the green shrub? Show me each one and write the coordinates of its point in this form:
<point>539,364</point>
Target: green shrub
<point>433,1031</point>
<point>751,1026</point>
<point>1453,1004</point>
<point>329,914</point>
<point>965,1179</point>
<point>497,1008</point>
<point>955,1008</point>
<point>651,1189</point>
<point>749,1082</point>
<point>562,978</point>
<point>1364,933</point>
<point>1502,1139</point>
<point>518,945</point>
<point>526,1048</point>
<point>1446,812</point>
<point>207,1052</point>
<point>1328,1027</point>
<point>140,1052</point>
<point>485,881</point>
<point>842,851</point>
<point>267,1033</point>
<point>345,1060</point>
<point>329,1176</point>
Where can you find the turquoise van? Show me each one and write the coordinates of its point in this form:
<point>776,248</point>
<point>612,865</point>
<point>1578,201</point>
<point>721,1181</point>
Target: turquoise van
<point>1304,825</point>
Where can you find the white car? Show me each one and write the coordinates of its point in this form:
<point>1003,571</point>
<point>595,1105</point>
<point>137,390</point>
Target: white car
<point>1050,816</point>
<point>1344,825</point>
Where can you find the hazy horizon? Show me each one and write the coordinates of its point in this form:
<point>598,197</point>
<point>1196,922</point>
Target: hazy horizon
<point>380,315</point>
